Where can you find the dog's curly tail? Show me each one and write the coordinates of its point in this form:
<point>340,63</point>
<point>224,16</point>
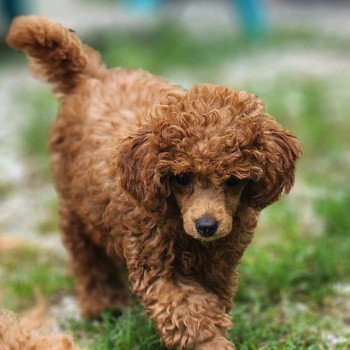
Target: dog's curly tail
<point>57,52</point>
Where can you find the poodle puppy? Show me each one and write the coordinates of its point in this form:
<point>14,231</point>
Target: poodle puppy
<point>164,181</point>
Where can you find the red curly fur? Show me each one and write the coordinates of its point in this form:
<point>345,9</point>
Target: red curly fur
<point>120,139</point>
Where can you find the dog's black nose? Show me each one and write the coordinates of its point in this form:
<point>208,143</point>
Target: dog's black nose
<point>206,226</point>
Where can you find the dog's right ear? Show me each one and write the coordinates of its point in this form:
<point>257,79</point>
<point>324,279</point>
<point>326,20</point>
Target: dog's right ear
<point>136,166</point>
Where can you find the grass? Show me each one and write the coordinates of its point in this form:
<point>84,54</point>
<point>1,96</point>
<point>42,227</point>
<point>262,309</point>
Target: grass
<point>300,266</point>
<point>49,224</point>
<point>171,46</point>
<point>131,330</point>
<point>40,109</point>
<point>278,327</point>
<point>29,272</point>
<point>287,297</point>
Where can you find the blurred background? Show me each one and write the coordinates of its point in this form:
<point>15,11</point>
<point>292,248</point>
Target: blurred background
<point>294,290</point>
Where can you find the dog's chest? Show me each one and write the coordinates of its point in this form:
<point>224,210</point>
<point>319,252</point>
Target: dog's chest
<point>197,260</point>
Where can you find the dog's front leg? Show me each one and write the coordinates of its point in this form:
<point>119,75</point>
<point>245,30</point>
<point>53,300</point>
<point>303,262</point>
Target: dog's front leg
<point>186,315</point>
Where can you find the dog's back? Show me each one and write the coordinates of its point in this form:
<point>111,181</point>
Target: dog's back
<point>98,107</point>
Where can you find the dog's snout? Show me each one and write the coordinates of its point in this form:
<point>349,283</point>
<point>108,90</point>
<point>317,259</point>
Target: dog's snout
<point>206,226</point>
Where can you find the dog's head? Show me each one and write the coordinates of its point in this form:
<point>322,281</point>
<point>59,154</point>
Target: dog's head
<point>208,150</point>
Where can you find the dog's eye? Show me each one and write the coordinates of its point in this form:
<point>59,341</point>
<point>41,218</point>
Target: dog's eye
<point>183,179</point>
<point>232,181</point>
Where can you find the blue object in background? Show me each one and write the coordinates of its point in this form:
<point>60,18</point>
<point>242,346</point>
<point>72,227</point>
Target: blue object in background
<point>144,6</point>
<point>253,17</point>
<point>252,13</point>
<point>13,8</point>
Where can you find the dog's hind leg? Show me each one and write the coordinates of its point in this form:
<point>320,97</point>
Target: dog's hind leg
<point>100,281</point>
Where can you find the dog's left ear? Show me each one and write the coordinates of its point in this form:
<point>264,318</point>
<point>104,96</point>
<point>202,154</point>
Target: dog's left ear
<point>275,157</point>
<point>140,176</point>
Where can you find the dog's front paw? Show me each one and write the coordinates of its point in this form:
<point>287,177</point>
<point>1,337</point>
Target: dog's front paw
<point>217,343</point>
